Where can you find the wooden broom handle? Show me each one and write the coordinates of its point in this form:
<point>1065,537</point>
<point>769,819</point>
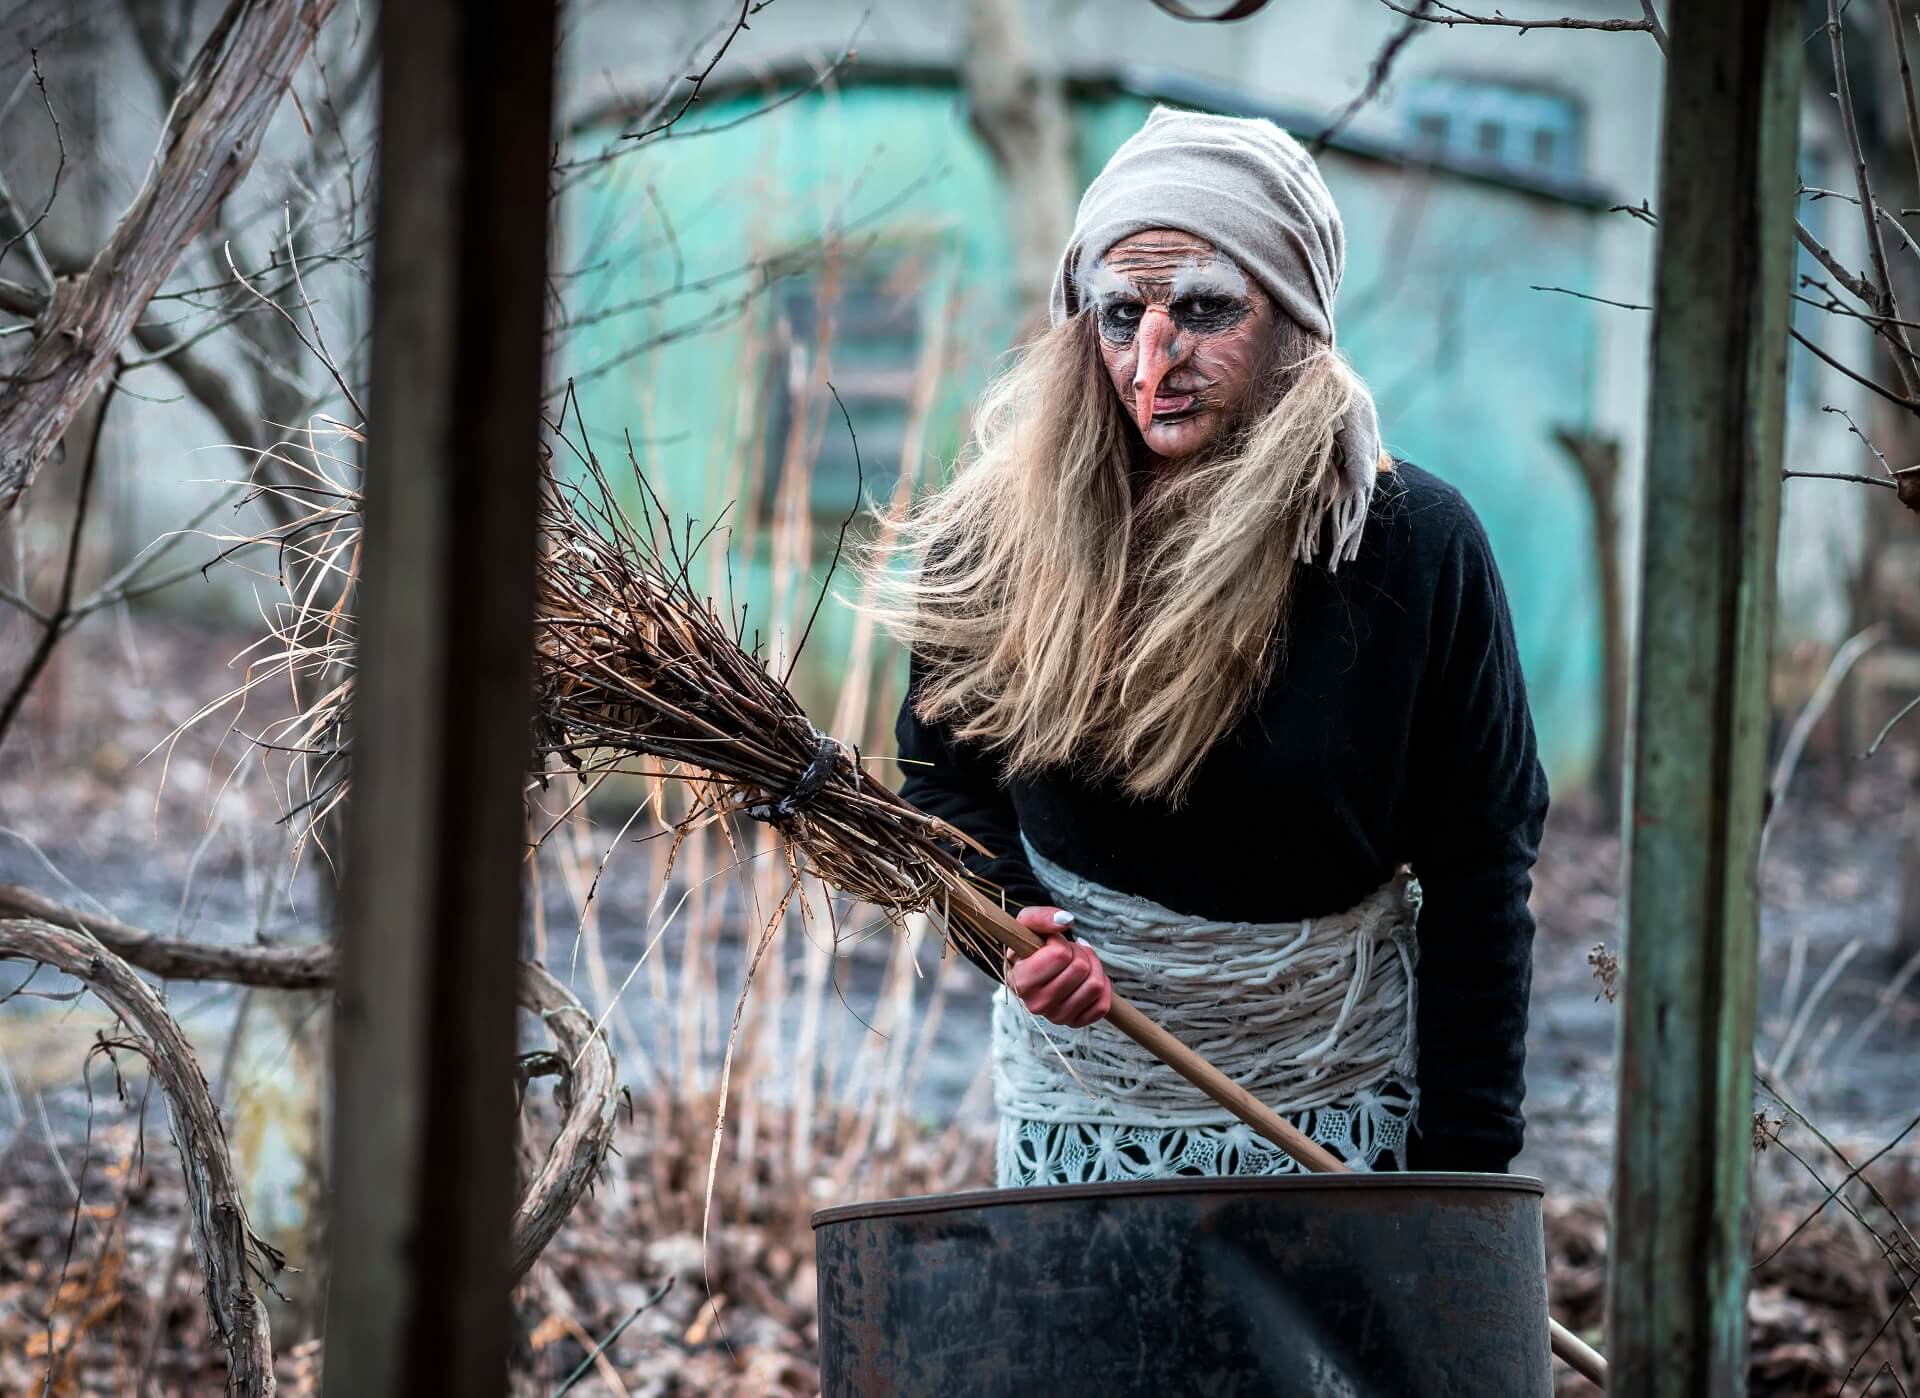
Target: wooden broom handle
<point>978,913</point>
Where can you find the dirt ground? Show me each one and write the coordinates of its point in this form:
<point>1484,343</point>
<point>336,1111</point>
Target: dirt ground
<point>86,817</point>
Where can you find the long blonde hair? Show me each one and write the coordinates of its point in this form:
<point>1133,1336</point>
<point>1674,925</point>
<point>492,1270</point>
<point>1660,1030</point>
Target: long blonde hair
<point>1071,613</point>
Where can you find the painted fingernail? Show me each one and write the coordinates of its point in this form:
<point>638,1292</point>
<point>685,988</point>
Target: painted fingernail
<point>1062,918</point>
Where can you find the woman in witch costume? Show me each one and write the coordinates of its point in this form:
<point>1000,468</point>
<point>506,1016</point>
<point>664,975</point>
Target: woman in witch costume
<point>1230,697</point>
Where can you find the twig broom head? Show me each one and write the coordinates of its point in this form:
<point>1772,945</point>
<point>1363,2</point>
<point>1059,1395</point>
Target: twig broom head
<point>636,671</point>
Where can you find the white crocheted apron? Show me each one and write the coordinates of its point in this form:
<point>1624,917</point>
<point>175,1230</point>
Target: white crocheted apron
<point>1315,1018</point>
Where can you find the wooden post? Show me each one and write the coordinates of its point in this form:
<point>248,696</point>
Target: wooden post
<point>1676,1296</point>
<point>426,1032</point>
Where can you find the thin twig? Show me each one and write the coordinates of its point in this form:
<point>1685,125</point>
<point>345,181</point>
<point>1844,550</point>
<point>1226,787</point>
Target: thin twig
<point>840,543</point>
<point>1833,1192</point>
<point>1885,299</point>
<point>747,7</point>
<point>1838,476</point>
<point>318,350</point>
<point>1867,441</point>
<point>1816,706</point>
<point>593,1355</point>
<point>57,620</point>
<point>1833,305</point>
<point>1892,397</point>
<point>1898,26</point>
<point>1885,214</point>
<point>1881,736</point>
<point>1376,78</point>
<point>25,235</point>
<point>1584,296</point>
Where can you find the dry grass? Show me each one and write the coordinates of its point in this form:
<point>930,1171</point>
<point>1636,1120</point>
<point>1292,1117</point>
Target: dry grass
<point>1829,1314</point>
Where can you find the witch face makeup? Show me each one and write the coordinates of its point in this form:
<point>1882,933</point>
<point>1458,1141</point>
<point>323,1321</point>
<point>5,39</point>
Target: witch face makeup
<point>1183,333</point>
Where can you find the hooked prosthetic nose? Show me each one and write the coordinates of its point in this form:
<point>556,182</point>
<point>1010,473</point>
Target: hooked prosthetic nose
<point>1177,323</point>
<point>1157,349</point>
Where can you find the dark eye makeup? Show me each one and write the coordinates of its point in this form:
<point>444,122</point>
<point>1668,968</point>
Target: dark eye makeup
<point>1209,314</point>
<point>1119,318</point>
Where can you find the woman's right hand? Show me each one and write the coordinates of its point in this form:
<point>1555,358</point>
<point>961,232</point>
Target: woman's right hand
<point>1063,981</point>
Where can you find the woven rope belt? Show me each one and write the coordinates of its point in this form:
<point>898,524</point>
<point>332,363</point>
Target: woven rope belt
<point>1316,1018</point>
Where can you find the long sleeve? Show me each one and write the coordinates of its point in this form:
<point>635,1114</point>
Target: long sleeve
<point>959,784</point>
<point>1478,805</point>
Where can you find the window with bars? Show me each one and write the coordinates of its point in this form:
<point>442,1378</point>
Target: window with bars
<point>1525,129</point>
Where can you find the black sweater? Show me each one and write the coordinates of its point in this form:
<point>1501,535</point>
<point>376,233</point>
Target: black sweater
<point>1395,729</point>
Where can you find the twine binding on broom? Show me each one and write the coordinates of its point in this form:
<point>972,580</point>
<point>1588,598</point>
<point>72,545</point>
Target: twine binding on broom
<point>812,782</point>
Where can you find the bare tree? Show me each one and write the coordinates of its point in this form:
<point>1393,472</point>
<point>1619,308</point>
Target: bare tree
<point>212,133</point>
<point>1020,113</point>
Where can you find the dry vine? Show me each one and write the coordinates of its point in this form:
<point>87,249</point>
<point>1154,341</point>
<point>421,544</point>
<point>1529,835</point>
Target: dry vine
<point>230,1255</point>
<point>590,1092</point>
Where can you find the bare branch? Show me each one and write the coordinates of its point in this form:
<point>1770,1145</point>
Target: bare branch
<point>1833,305</point>
<point>317,346</point>
<point>209,385</point>
<point>174,958</point>
<point>1844,659</point>
<point>212,134</point>
<point>1881,736</point>
<point>604,113</point>
<point>1898,27</point>
<point>1884,299</point>
<point>17,299</point>
<point>1865,440</point>
<point>1885,326</point>
<point>1654,26</point>
<point>1856,285</point>
<point>1887,215</point>
<point>1451,15</point>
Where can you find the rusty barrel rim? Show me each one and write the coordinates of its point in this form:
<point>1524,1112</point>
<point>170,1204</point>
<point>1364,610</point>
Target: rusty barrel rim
<point>1186,1184</point>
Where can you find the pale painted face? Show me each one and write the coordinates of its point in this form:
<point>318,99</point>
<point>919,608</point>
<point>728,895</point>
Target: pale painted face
<point>1184,334</point>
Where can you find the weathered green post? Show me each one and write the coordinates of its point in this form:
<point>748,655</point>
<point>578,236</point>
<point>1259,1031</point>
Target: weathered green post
<point>1676,1297</point>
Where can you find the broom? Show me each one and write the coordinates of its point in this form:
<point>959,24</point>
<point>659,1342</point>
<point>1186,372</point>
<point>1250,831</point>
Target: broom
<point>634,661</point>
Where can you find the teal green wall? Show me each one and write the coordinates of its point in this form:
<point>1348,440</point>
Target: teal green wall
<point>1471,369</point>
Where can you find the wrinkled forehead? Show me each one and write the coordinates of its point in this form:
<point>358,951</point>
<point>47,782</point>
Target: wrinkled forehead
<point>1161,264</point>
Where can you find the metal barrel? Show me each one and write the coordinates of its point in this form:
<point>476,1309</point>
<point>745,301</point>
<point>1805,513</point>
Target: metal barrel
<point>1347,1286</point>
